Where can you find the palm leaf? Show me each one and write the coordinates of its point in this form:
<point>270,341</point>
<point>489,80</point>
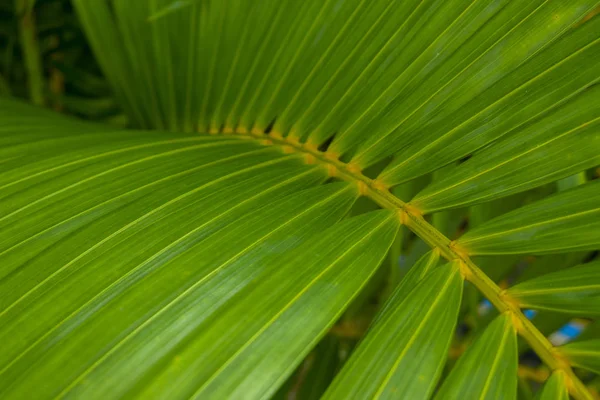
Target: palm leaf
<point>566,221</point>
<point>488,368</point>
<point>584,354</point>
<point>405,349</point>
<point>574,291</point>
<point>207,263</point>
<point>555,388</point>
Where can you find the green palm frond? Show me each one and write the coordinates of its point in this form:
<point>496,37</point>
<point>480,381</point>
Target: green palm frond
<point>584,354</point>
<point>555,388</point>
<point>205,251</point>
<point>572,290</point>
<point>406,347</point>
<point>488,369</point>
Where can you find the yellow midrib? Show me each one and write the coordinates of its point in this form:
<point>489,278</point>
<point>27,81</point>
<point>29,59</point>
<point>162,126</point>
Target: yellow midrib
<point>413,219</point>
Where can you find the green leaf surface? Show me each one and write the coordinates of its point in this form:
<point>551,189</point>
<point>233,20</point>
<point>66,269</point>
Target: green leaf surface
<point>575,291</point>
<point>557,146</point>
<point>405,350</point>
<point>488,369</point>
<point>550,263</point>
<point>127,258</point>
<point>555,388</point>
<point>567,221</point>
<point>584,354</point>
<point>412,278</point>
<point>477,46</point>
<point>529,94</point>
<point>116,63</point>
<point>334,267</point>
<point>429,82</point>
<point>165,265</point>
<point>175,6</point>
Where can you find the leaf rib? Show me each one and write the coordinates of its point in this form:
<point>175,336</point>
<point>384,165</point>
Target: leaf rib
<point>435,239</point>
